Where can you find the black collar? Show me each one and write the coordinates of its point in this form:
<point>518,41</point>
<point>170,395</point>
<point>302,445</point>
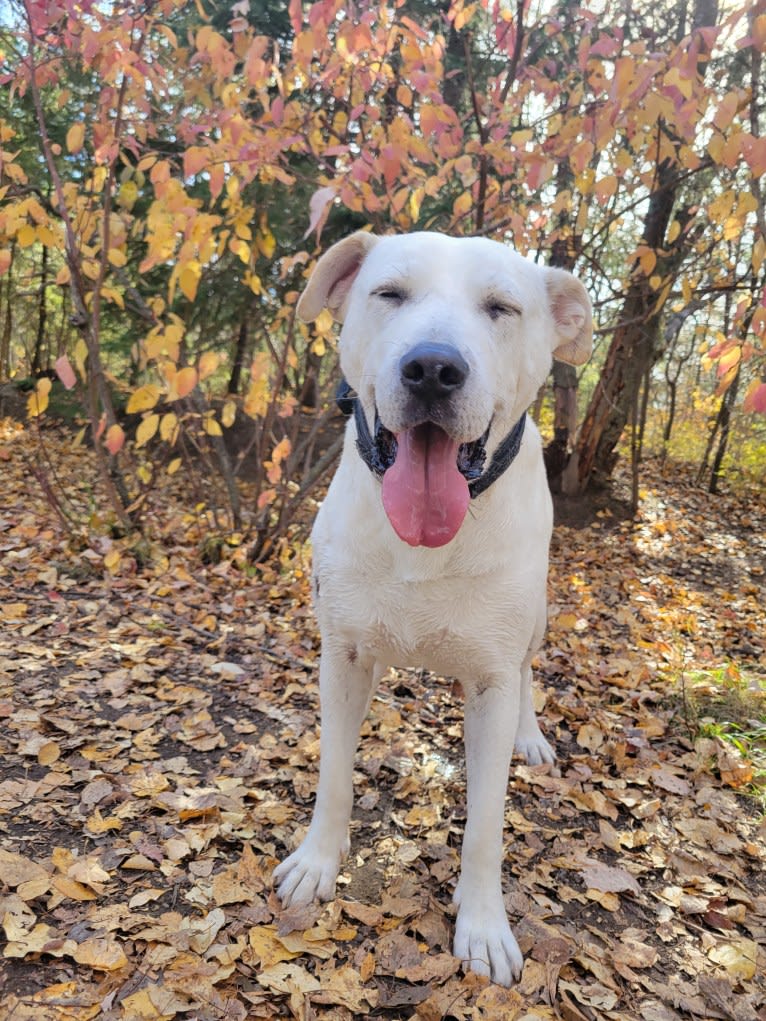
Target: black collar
<point>378,461</point>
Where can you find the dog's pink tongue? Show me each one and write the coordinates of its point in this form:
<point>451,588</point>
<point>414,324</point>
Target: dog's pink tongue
<point>424,494</point>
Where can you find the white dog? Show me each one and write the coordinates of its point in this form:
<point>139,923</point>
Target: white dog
<point>431,548</point>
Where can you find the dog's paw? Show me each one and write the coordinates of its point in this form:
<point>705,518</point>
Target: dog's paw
<point>308,874</point>
<point>485,944</point>
<point>531,744</point>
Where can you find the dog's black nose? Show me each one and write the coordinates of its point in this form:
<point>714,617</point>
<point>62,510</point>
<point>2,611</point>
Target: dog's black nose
<point>433,371</point>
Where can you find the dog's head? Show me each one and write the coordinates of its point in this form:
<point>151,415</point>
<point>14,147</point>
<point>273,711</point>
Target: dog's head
<point>446,341</point>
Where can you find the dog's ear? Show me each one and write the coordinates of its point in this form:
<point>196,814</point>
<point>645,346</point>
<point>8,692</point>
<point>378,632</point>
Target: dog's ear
<point>571,311</point>
<point>331,281</point>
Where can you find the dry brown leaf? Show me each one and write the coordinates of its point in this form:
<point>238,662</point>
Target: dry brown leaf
<point>30,879</point>
<point>344,986</point>
<point>101,954</point>
<point>738,957</point>
<point>610,879</point>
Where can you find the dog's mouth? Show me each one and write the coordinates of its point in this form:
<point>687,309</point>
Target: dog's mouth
<point>425,480</point>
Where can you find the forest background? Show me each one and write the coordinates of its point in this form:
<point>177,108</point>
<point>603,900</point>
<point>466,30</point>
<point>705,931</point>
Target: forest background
<point>169,172</point>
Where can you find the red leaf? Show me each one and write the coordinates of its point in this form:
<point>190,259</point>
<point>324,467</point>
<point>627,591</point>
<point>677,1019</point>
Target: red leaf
<point>755,399</point>
<point>296,15</point>
<point>319,208</point>
<point>65,372</point>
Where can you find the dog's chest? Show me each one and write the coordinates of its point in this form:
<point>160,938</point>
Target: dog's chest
<point>448,625</point>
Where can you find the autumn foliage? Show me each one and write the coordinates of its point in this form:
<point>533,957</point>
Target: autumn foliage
<point>170,171</point>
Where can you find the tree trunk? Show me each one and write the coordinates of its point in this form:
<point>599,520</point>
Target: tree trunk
<point>563,255</point>
<point>7,331</point>
<point>631,354</point>
<point>42,317</point>
<point>240,356</point>
<point>724,424</point>
<point>637,342</point>
<point>668,431</point>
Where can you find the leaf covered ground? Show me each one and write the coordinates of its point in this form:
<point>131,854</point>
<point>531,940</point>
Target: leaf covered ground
<point>159,751</point>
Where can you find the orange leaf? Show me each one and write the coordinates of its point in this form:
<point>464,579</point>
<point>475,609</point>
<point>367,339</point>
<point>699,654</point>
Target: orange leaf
<point>185,381</point>
<point>115,438</point>
<point>208,363</point>
<point>75,137</point>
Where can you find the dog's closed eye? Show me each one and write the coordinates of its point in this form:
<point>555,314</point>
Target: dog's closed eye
<point>498,308</point>
<point>392,293</point>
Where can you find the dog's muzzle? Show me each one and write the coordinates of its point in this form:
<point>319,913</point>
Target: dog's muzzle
<point>379,452</point>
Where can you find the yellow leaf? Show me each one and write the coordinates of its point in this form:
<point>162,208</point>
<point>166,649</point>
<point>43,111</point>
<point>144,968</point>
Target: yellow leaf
<point>80,356</point>
<point>147,429</point>
<point>241,249</point>
<point>464,16</point>
<point>97,824</point>
<point>462,205</point>
<point>63,276</point>
<point>732,228</point>
<point>75,137</point>
<point>253,281</point>
<point>143,399</point>
<point>229,413</point>
<point>26,235</point>
<point>113,295</point>
<point>46,236</point>
<point>117,257</point>
<point>188,279</point>
<point>174,465</point>
<point>673,231</point>
<point>153,1003</point>
<point>719,209</point>
<point>37,401</point>
<point>112,560</point>
<point>211,427</point>
<point>268,948</point>
<point>169,428</point>
<point>127,195</point>
<point>208,363</point>
<point>729,359</point>
<point>648,260</point>
<point>257,399</point>
<point>324,321</point>
<point>267,243</point>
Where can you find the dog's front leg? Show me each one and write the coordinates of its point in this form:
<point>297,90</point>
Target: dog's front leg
<point>483,937</point>
<point>346,686</point>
